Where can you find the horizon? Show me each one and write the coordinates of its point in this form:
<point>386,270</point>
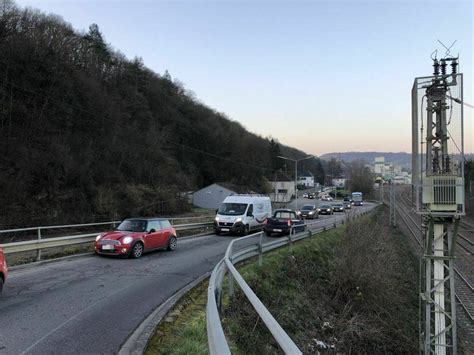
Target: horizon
<point>299,67</point>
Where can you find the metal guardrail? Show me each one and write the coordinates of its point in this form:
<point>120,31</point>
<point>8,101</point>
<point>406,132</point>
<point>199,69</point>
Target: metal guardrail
<point>43,243</point>
<point>216,338</point>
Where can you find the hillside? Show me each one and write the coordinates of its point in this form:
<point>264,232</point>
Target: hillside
<point>401,158</point>
<point>87,134</point>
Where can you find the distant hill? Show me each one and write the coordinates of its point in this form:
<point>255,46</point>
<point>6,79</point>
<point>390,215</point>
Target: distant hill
<point>402,158</point>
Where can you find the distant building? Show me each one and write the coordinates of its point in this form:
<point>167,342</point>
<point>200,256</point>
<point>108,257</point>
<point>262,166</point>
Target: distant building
<point>283,187</point>
<point>379,165</point>
<point>213,195</point>
<point>306,179</point>
<point>339,182</point>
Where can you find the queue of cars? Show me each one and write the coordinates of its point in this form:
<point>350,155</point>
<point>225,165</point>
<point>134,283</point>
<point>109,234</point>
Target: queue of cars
<point>238,214</point>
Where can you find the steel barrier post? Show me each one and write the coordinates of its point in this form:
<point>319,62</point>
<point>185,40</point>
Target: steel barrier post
<point>230,277</point>
<point>291,240</point>
<point>38,253</point>
<point>260,250</point>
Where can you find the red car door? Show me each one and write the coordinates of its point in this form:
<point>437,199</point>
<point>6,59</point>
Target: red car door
<point>165,233</point>
<point>153,237</point>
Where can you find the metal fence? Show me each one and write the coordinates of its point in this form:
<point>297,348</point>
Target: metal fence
<point>215,333</point>
<point>40,243</point>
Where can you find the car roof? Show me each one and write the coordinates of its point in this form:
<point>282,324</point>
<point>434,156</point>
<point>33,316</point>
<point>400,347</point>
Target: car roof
<point>312,206</point>
<point>283,210</point>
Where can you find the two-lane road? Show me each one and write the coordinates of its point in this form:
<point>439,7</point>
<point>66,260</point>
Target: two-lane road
<point>92,304</point>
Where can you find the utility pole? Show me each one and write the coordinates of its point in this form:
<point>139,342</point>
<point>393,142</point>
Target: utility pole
<point>438,185</point>
<point>296,175</point>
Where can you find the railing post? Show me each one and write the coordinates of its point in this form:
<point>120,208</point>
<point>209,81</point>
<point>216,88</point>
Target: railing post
<point>38,252</point>
<point>291,240</point>
<point>260,250</point>
<point>230,277</point>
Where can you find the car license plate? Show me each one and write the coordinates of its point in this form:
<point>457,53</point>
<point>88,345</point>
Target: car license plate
<point>107,247</point>
<point>277,230</point>
<point>224,229</point>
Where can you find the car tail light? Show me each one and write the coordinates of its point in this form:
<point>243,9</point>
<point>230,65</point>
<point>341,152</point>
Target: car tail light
<point>289,222</point>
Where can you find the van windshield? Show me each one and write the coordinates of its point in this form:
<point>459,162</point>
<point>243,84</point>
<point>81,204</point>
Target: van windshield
<point>232,209</point>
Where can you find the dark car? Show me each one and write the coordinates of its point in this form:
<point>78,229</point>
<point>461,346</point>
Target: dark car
<point>348,199</point>
<point>347,205</point>
<point>309,211</point>
<point>312,195</point>
<point>135,236</point>
<point>338,207</point>
<point>325,209</point>
<point>282,222</point>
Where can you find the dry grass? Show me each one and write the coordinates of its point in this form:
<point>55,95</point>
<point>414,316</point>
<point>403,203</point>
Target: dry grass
<point>351,291</point>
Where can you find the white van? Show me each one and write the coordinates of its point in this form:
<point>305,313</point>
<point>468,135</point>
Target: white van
<point>242,213</point>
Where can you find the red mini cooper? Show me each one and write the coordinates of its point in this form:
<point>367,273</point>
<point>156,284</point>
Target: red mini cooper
<point>3,269</point>
<point>135,236</point>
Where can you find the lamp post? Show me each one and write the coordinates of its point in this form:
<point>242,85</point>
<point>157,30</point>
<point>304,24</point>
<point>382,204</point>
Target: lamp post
<point>296,175</point>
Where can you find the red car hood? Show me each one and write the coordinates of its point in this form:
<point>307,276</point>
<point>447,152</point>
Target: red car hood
<point>116,235</point>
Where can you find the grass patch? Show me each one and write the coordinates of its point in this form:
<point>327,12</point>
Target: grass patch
<point>183,330</point>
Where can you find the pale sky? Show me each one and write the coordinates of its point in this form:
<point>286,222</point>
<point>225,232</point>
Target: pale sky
<point>322,76</point>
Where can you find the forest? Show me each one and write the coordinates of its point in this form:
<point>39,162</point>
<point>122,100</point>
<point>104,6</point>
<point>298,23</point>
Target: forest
<point>87,134</point>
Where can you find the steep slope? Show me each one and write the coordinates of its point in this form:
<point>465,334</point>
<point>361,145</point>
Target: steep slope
<point>86,134</point>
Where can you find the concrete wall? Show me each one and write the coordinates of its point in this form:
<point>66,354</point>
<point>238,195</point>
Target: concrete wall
<point>276,196</point>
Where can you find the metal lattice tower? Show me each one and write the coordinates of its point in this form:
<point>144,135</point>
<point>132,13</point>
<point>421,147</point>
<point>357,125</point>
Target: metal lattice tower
<point>437,174</point>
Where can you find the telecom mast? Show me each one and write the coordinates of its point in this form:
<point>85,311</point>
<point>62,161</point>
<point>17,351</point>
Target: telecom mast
<point>438,195</point>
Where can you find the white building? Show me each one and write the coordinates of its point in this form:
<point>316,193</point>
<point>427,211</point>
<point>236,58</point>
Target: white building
<point>212,196</point>
<point>283,187</point>
<point>340,182</point>
<point>379,165</point>
<point>306,179</point>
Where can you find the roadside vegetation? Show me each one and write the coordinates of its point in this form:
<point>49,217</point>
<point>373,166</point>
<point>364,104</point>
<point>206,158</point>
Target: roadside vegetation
<point>353,290</point>
<point>183,330</point>
<point>350,290</point>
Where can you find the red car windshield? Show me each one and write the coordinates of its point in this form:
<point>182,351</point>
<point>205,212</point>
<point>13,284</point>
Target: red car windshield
<point>132,226</point>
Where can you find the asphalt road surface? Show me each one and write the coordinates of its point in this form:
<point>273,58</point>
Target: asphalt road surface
<point>92,304</point>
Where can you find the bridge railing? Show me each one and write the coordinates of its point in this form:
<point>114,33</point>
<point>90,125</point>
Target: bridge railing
<point>41,241</point>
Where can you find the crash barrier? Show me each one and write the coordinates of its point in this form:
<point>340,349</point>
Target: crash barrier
<point>40,243</point>
<point>215,334</point>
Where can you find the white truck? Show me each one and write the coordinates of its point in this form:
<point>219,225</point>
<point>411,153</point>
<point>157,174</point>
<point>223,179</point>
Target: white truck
<point>357,198</point>
<point>240,214</point>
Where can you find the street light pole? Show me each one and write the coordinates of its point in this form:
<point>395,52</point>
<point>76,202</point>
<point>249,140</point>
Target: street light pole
<point>296,175</point>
